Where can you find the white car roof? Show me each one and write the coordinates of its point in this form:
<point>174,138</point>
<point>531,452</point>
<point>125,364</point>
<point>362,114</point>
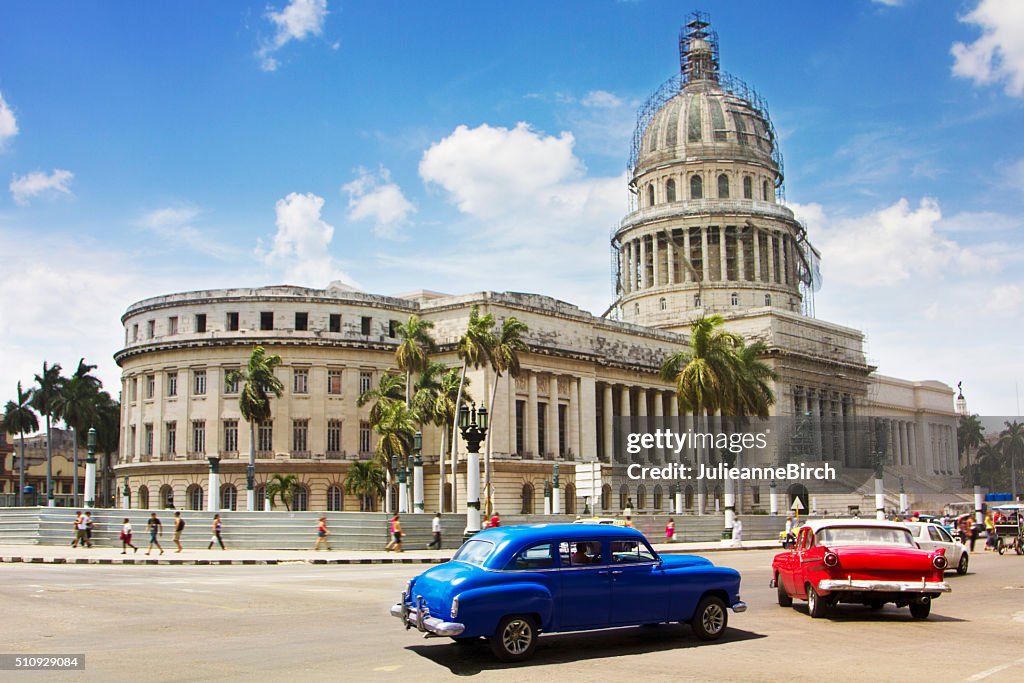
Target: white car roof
<point>818,524</point>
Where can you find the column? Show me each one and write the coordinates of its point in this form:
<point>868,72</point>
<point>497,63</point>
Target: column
<point>757,255</point>
<point>670,251</point>
<point>624,409</point>
<point>771,257</point>
<point>628,269</point>
<point>741,263</point>
<point>659,423</point>
<point>552,416</point>
<point>723,269</point>
<point>705,266</point>
<point>573,428</point>
<point>607,411</point>
<point>213,502</point>
<point>531,413</point>
<point>687,275</point>
<point>643,283</point>
<point>656,258</point>
<point>911,445</point>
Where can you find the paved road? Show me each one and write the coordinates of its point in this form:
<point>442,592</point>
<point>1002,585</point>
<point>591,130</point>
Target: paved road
<point>183,623</point>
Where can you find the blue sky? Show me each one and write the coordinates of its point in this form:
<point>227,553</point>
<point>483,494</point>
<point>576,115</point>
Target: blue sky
<point>459,146</point>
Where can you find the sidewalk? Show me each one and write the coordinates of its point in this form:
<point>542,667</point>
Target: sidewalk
<point>49,554</point>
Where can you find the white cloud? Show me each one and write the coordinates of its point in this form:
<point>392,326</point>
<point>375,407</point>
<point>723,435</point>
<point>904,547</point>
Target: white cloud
<point>37,184</point>
<point>8,124</point>
<point>301,248</point>
<point>374,197</point>
<point>998,55</point>
<point>175,224</point>
<point>888,3</point>
<point>601,99</point>
<point>297,21</point>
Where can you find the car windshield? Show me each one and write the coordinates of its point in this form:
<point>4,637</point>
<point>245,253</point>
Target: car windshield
<point>474,552</point>
<point>864,535</point>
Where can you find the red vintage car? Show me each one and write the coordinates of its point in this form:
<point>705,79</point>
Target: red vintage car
<point>858,561</point>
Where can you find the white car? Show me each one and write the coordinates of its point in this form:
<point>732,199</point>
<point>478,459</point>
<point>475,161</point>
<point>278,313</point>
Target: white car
<point>933,536</point>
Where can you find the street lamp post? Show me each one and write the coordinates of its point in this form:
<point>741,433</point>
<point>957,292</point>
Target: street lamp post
<point>399,468</point>
<point>903,497</point>
<point>213,504</point>
<point>547,497</point>
<point>126,495</point>
<point>473,425</point>
<point>417,474</point>
<point>878,462</point>
<point>90,469</point>
<point>556,494</point>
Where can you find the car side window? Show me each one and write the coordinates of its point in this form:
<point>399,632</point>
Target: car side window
<point>935,535</point>
<point>624,552</point>
<point>946,538</point>
<point>538,556</point>
<point>580,553</point>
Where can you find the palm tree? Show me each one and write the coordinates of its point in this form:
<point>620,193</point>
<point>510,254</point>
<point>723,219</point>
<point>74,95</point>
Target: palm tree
<point>365,479</point>
<point>473,348</point>
<point>19,419</point>
<point>44,400</point>
<point>969,435</point>
<point>254,404</point>
<point>439,406</point>
<point>282,486</point>
<point>396,428</point>
<point>504,354</point>
<point>76,405</point>
<point>989,456</point>
<point>411,354</point>
<point>391,390</point>
<point>1011,441</point>
<point>753,395</point>
<point>108,438</point>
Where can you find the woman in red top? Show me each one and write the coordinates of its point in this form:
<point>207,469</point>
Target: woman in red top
<point>670,530</point>
<point>321,534</point>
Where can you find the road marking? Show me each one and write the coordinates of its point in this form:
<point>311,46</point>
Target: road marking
<point>393,667</point>
<point>994,670</point>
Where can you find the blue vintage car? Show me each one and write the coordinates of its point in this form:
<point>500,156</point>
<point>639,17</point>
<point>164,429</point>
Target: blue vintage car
<point>510,584</point>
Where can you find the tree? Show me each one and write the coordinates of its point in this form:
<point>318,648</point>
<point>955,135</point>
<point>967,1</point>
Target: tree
<point>989,457</point>
<point>365,479</point>
<point>19,419</point>
<point>439,406</point>
<point>969,435</point>
<point>282,486</point>
<point>504,355</point>
<point>411,354</point>
<point>391,390</point>
<point>1011,442</point>
<point>76,405</point>
<point>396,428</point>
<point>259,383</point>
<point>473,349</point>
<point>752,393</point>
<point>108,438</point>
<point>44,400</point>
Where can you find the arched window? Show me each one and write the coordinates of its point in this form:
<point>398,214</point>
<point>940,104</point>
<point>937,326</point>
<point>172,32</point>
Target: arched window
<point>194,494</point>
<point>636,309</point>
<point>641,497</point>
<point>650,195</point>
<point>143,497</point>
<point>228,497</point>
<point>688,497</point>
<point>623,497</point>
<point>260,497</point>
<point>662,304</point>
<point>723,186</point>
<point>764,190</point>
<point>734,299</point>
<point>300,498</point>
<point>167,497</point>
<point>606,497</point>
<point>658,498</point>
<point>570,500</point>
<point>527,499</point>
<point>670,190</point>
<point>748,187</point>
<point>696,187</point>
<point>696,300</point>
<point>335,498</point>
<point>767,299</point>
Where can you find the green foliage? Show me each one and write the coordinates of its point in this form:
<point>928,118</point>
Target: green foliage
<point>282,486</point>
<point>258,384</point>
<point>365,479</point>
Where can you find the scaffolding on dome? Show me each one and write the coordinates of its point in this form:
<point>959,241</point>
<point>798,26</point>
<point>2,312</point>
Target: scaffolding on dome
<point>808,270</point>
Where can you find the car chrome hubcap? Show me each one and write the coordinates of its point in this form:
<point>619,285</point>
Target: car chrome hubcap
<point>713,618</point>
<point>812,600</point>
<point>517,636</point>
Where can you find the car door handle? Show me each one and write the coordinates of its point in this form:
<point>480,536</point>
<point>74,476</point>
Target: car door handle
<point>603,573</point>
<point>616,573</point>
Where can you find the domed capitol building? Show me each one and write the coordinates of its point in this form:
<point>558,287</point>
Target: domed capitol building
<point>708,233</point>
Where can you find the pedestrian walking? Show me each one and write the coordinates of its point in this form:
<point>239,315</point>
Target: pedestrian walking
<point>179,527</point>
<point>435,527</point>
<point>321,534</point>
<point>670,530</point>
<point>396,535</point>
<point>737,530</point>
<point>81,531</point>
<point>155,528</point>
<point>216,534</point>
<point>126,537</point>
<point>88,526</point>
<point>496,520</point>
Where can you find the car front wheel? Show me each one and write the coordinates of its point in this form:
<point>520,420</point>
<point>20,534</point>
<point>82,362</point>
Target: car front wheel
<point>816,607</point>
<point>711,618</point>
<point>785,599</point>
<point>961,566</point>
<point>515,639</point>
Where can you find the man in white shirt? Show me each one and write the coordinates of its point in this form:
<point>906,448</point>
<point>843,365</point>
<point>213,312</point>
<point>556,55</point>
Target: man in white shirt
<point>435,526</point>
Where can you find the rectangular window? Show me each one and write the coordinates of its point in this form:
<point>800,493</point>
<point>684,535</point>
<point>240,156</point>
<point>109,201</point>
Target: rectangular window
<point>300,381</point>
<point>200,322</point>
<point>335,322</point>
<point>135,332</point>
<point>267,320</point>
<point>365,325</point>
<point>131,441</point>
<point>300,432</point>
<point>365,379</point>
<point>334,436</point>
<point>302,322</point>
<point>172,325</point>
<point>392,328</point>
<point>334,381</point>
<point>265,437</point>
<point>172,437</point>
<point>230,381</point>
<point>520,427</point>
<point>542,414</point>
<point>134,389</point>
<point>150,386</point>
<point>199,382</point>
<point>364,437</point>
<point>755,493</point>
<point>150,329</point>
<point>147,439</point>
<point>198,436</point>
<point>563,412</point>
<point>172,383</point>
<point>231,436</point>
<point>231,324</point>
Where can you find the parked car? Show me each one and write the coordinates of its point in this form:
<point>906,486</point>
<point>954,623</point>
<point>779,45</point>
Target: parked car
<point>859,561</point>
<point>932,536</point>
<point>510,584</point>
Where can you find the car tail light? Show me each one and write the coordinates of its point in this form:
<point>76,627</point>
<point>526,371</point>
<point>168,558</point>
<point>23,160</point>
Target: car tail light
<point>939,562</point>
<point>831,560</point>
<point>455,606</point>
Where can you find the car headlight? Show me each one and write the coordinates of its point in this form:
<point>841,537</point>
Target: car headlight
<point>831,560</point>
<point>939,562</point>
<point>455,607</point>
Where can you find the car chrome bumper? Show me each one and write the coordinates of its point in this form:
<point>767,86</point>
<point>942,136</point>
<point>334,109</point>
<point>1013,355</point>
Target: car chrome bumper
<point>418,616</point>
<point>884,586</point>
<point>739,607</point>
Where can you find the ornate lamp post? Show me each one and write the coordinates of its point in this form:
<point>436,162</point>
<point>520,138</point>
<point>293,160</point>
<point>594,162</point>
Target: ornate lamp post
<point>213,505</point>
<point>547,497</point>
<point>403,495</point>
<point>126,495</point>
<point>417,474</point>
<point>556,493</point>
<point>903,497</point>
<point>473,425</point>
<point>90,469</point>
<point>878,458</point>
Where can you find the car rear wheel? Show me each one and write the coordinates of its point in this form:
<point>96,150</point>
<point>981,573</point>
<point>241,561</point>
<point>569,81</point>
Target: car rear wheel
<point>921,610</point>
<point>710,619</point>
<point>515,639</point>
<point>961,566</point>
<point>816,607</point>
<point>785,600</point>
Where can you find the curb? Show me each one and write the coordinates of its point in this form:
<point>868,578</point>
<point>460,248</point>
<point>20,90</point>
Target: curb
<point>82,560</point>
